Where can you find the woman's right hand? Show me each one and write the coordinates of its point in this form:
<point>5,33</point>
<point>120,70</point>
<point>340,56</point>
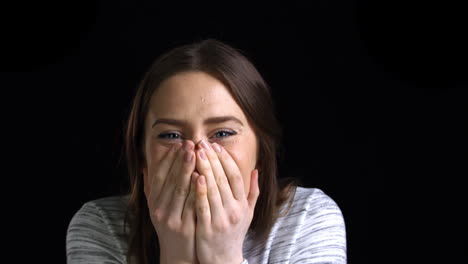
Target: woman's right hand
<point>171,202</point>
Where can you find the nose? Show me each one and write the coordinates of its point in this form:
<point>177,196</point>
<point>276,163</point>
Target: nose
<point>196,141</point>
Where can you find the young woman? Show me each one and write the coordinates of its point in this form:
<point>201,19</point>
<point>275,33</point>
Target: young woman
<point>201,144</point>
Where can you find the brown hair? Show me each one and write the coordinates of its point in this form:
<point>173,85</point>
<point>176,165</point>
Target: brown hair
<point>253,95</point>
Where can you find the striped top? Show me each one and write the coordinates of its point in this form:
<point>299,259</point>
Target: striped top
<point>313,231</point>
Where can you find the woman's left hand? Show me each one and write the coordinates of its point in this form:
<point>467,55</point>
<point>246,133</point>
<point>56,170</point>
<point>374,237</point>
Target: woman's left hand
<point>224,211</point>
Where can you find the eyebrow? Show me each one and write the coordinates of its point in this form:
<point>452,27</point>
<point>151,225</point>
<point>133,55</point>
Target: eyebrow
<point>208,121</point>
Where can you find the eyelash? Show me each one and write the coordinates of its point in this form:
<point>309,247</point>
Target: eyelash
<point>229,132</point>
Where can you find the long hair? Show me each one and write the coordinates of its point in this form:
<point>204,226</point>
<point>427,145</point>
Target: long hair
<point>231,67</point>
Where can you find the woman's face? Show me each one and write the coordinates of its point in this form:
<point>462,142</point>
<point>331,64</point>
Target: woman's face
<point>192,98</point>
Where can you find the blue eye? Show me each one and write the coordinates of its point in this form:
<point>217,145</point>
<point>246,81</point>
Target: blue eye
<point>219,134</point>
<point>224,133</point>
<point>169,136</point>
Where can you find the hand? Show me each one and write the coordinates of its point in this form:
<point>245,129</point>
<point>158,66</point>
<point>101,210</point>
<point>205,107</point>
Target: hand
<point>171,202</point>
<point>224,212</point>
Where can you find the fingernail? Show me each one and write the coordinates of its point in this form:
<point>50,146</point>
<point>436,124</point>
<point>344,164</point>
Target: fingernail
<point>216,147</point>
<point>202,154</point>
<point>188,156</point>
<point>187,145</point>
<point>205,145</point>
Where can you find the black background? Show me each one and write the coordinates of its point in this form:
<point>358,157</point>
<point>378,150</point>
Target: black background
<point>371,96</point>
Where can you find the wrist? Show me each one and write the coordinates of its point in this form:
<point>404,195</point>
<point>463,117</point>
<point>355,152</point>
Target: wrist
<point>240,260</point>
<point>166,260</point>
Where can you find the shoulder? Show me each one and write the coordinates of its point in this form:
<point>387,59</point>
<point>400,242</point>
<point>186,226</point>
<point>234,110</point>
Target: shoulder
<point>106,212</point>
<point>103,210</point>
<point>108,203</point>
<point>312,200</point>
<point>310,230</point>
<point>313,213</point>
<point>320,232</point>
<point>98,228</point>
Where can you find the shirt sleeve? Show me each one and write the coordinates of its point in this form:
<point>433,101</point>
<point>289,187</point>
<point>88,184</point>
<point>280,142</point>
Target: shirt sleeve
<point>322,236</point>
<point>90,238</point>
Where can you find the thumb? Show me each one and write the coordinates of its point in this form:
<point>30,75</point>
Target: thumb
<point>254,189</point>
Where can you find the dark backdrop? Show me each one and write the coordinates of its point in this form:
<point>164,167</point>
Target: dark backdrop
<point>371,97</point>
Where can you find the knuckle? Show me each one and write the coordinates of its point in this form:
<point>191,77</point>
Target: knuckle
<point>172,178</point>
<point>238,177</point>
<point>212,191</point>
<point>159,214</point>
<point>220,179</point>
<point>221,226</point>
<point>181,191</point>
<point>234,217</point>
<point>202,209</point>
<point>173,225</point>
<point>201,193</point>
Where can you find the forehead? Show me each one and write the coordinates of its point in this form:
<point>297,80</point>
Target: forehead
<point>190,94</point>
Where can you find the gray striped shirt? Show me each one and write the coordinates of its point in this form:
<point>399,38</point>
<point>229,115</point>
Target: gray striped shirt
<point>313,231</point>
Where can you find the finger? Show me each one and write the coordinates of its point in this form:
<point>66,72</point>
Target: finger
<point>182,182</point>
<point>220,175</point>
<point>232,173</point>
<point>188,213</point>
<point>170,183</point>
<point>152,174</point>
<point>202,204</point>
<point>204,168</point>
<point>254,189</point>
<point>159,177</point>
